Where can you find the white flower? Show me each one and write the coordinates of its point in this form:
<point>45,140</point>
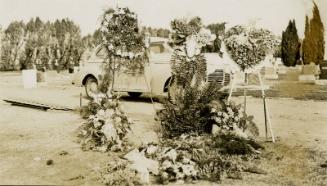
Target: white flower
<point>213,110</point>
<point>220,113</point>
<point>108,17</point>
<point>236,118</point>
<point>103,29</point>
<point>110,47</point>
<point>117,119</point>
<point>188,170</point>
<point>191,46</point>
<point>186,160</point>
<point>124,54</point>
<point>118,52</point>
<point>131,55</point>
<point>172,155</point>
<point>215,129</point>
<point>217,119</point>
<point>150,150</point>
<point>101,114</point>
<point>109,131</point>
<point>166,164</point>
<point>105,24</point>
<point>109,112</point>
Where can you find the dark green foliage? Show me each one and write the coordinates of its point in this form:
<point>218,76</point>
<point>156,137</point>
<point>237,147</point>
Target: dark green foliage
<point>314,43</point>
<point>290,45</point>
<point>183,71</point>
<point>232,144</point>
<point>192,111</point>
<point>182,29</point>
<point>188,71</point>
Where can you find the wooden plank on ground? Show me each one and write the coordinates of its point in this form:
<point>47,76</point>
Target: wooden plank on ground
<point>36,105</point>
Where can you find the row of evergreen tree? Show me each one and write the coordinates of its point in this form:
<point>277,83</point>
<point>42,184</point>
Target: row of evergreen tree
<point>312,47</point>
<point>57,44</point>
<point>48,44</point>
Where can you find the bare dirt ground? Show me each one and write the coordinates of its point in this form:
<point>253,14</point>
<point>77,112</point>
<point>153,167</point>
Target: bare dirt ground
<point>30,138</point>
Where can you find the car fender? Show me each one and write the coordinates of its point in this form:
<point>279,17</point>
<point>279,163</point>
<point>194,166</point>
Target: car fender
<point>160,75</point>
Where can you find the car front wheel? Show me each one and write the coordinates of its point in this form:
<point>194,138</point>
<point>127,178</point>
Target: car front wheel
<point>91,87</point>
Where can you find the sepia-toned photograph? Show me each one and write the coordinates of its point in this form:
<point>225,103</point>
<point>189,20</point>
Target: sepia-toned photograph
<point>163,92</point>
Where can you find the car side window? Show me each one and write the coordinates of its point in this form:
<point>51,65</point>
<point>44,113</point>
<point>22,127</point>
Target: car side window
<point>157,48</point>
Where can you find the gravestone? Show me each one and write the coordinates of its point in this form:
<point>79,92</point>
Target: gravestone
<point>323,69</point>
<point>310,73</point>
<point>281,69</point>
<point>269,72</point>
<point>323,74</point>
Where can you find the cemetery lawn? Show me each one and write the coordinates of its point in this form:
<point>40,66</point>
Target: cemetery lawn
<point>31,138</point>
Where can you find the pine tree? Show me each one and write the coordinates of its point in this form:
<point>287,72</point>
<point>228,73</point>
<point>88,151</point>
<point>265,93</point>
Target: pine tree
<point>313,43</point>
<point>307,43</point>
<point>290,45</point>
<point>317,31</point>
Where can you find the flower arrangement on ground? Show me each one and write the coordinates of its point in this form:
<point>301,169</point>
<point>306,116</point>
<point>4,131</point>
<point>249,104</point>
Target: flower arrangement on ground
<point>106,127</point>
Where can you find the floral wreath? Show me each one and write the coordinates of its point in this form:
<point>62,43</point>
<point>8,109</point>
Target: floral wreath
<point>248,46</point>
<point>122,39</point>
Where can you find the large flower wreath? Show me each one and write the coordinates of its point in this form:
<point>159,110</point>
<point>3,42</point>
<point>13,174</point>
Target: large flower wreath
<point>248,46</point>
<point>120,35</point>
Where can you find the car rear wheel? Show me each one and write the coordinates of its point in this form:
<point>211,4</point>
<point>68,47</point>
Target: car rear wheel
<point>91,87</point>
<point>134,94</point>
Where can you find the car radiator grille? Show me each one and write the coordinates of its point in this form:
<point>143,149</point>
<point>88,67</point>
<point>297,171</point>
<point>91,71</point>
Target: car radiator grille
<point>219,76</point>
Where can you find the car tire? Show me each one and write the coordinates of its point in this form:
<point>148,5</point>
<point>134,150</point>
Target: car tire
<point>91,87</point>
<point>134,94</point>
<point>172,90</point>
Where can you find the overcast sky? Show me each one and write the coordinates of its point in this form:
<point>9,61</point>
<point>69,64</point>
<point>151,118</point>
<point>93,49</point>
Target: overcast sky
<point>271,14</point>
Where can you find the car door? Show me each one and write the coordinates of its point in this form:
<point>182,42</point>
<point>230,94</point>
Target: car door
<point>131,81</point>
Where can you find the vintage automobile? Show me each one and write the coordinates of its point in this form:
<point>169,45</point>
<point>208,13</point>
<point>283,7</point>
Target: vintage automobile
<point>157,78</point>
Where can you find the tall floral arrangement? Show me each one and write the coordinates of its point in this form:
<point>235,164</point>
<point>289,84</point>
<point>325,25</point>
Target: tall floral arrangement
<point>188,39</point>
<point>107,126</point>
<point>249,46</point>
<point>122,39</point>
